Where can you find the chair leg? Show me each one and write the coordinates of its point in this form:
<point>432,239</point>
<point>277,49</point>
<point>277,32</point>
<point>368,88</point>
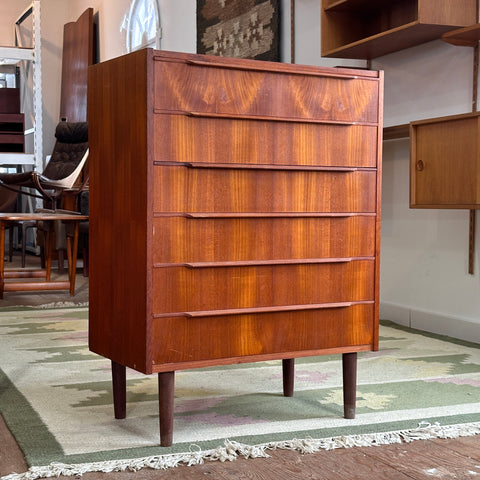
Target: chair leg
<point>10,243</point>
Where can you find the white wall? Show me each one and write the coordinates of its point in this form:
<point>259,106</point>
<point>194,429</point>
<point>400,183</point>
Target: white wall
<point>424,260</point>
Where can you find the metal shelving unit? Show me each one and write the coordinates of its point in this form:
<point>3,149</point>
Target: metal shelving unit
<point>28,58</point>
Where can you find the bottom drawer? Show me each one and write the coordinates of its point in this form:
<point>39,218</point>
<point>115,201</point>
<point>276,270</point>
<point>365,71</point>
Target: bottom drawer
<point>185,339</point>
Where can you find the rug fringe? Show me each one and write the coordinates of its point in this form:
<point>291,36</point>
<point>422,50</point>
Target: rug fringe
<point>232,450</point>
<point>45,306</point>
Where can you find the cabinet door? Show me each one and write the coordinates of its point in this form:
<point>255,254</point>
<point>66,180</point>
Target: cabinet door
<point>444,163</point>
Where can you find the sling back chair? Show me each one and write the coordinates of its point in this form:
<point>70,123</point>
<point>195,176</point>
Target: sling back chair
<point>63,171</point>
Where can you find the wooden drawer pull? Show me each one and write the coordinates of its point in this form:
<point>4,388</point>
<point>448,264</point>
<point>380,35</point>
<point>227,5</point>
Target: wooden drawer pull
<point>271,215</point>
<point>249,166</point>
<point>254,310</point>
<point>263,68</point>
<point>259,263</point>
<point>239,116</point>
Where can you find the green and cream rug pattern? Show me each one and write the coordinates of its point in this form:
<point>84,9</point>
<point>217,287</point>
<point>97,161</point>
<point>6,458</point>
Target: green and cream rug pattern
<point>55,396</point>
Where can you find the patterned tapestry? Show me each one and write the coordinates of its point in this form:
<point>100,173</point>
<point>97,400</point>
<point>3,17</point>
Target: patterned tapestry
<point>239,28</point>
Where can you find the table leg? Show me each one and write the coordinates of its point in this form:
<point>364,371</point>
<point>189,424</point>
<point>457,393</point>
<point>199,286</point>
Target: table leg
<point>119,384</point>
<point>166,381</point>
<point>72,257</point>
<point>49,235</point>
<point>288,371</point>
<point>349,363</point>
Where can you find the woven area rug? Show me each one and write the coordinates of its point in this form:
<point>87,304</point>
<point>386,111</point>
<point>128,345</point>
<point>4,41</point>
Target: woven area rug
<point>239,28</point>
<point>55,396</point>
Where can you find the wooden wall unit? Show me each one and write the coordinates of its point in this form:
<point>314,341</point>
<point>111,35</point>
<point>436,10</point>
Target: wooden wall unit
<point>372,28</point>
<point>234,215</point>
<point>445,162</point>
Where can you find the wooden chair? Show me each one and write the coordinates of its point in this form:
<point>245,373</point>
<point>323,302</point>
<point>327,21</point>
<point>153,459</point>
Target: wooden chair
<point>63,171</point>
<point>67,171</point>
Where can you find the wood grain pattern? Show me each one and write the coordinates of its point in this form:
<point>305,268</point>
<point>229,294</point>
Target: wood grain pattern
<point>180,189</point>
<point>118,210</point>
<point>181,289</point>
<point>182,339</point>
<point>183,138</point>
<point>181,239</point>
<point>211,89</point>
<point>444,162</point>
<point>77,55</point>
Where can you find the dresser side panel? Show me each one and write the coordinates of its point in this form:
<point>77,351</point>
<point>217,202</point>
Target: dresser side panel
<point>119,173</point>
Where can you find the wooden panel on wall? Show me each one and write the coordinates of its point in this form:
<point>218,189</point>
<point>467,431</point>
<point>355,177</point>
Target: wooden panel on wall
<point>78,54</point>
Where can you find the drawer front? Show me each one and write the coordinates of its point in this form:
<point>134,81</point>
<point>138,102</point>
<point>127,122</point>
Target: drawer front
<point>181,239</point>
<point>183,139</point>
<point>181,339</point>
<point>191,190</point>
<point>240,92</point>
<point>205,288</point>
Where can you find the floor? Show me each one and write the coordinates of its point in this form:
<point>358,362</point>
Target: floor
<point>11,299</point>
<point>430,459</point>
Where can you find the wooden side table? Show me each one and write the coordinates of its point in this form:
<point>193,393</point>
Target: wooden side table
<point>43,282</point>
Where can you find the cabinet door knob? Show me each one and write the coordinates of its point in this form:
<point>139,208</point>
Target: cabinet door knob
<point>420,165</point>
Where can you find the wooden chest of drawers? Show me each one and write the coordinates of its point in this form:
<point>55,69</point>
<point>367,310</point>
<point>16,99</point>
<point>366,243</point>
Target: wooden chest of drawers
<point>234,215</point>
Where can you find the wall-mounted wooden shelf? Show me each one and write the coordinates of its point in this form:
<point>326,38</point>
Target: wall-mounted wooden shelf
<point>463,37</point>
<point>371,28</point>
<point>396,132</point>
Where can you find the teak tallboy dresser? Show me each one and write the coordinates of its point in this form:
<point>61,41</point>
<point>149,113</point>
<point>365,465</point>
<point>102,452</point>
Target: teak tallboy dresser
<point>234,216</point>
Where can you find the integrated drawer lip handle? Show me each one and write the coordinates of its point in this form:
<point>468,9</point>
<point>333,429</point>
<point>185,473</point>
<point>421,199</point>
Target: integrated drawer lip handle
<point>242,215</point>
<point>259,310</point>
<point>273,309</point>
<point>254,263</point>
<point>272,215</point>
<point>273,118</point>
<point>250,166</point>
<point>264,68</point>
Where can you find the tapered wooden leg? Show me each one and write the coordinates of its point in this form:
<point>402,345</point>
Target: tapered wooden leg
<point>72,249</point>
<point>49,235</point>
<point>349,384</point>
<point>166,385</point>
<point>288,370</point>
<point>119,383</point>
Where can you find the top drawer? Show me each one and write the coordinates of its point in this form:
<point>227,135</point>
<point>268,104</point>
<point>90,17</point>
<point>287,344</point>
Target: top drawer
<point>216,90</point>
